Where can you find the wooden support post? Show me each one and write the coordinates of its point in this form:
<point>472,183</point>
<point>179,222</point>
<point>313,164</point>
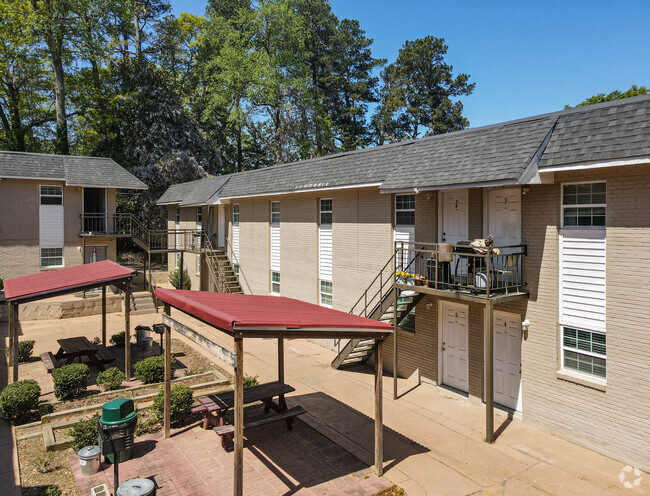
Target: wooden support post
<point>12,330</point>
<point>395,292</point>
<point>168,374</point>
<point>127,330</point>
<point>13,340</point>
<point>150,271</point>
<point>181,272</point>
<point>103,315</point>
<point>379,421</point>
<point>281,359</point>
<point>239,417</point>
<point>489,372</point>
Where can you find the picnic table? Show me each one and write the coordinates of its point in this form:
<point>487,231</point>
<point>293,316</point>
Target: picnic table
<point>215,406</point>
<point>76,348</point>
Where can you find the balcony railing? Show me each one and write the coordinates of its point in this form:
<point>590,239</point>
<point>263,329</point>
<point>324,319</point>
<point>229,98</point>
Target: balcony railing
<point>463,267</point>
<point>93,224</point>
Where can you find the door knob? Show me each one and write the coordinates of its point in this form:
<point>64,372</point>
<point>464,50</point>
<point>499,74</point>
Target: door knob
<point>443,348</point>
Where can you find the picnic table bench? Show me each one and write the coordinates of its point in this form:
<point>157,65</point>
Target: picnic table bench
<point>215,406</point>
<point>73,348</point>
<point>227,431</point>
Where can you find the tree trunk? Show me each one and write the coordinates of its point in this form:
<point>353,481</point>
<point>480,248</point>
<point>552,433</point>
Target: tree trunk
<point>277,138</point>
<point>137,36</point>
<point>240,154</point>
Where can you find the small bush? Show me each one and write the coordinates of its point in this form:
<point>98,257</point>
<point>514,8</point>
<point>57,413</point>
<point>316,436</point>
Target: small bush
<point>84,433</point>
<point>179,407</point>
<point>250,381</point>
<point>96,340</point>
<point>147,425</point>
<point>118,339</point>
<point>193,371</point>
<point>25,349</point>
<point>70,380</point>
<point>175,279</point>
<point>46,463</point>
<point>110,379</point>
<point>19,399</point>
<point>151,370</point>
<point>53,491</point>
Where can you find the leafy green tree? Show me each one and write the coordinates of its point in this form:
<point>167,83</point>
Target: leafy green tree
<point>419,88</point>
<point>614,95</point>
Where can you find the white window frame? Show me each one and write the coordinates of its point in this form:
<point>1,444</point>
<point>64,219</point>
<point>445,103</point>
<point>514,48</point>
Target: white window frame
<point>49,195</point>
<point>275,222</point>
<point>62,264</point>
<point>325,293</point>
<point>275,285</point>
<point>404,210</point>
<point>321,212</point>
<point>235,213</point>
<point>577,351</point>
<point>582,205</point>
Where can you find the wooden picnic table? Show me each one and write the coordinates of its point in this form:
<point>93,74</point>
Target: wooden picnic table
<point>76,348</point>
<point>215,406</point>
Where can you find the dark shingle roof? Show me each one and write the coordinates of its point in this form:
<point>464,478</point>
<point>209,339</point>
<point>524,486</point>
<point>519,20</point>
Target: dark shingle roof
<point>500,152</point>
<point>486,154</point>
<point>618,129</point>
<point>75,171</point>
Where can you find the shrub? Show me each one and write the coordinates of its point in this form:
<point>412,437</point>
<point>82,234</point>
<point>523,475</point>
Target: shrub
<point>175,279</point>
<point>53,491</point>
<point>2,284</point>
<point>250,381</point>
<point>110,379</point>
<point>25,349</point>
<point>193,371</point>
<point>179,406</point>
<point>147,425</point>
<point>118,339</point>
<point>84,433</point>
<point>19,399</point>
<point>46,463</point>
<point>151,370</point>
<point>70,380</point>
<point>96,340</point>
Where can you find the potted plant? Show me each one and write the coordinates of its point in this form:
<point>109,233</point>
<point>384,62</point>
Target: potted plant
<point>405,278</point>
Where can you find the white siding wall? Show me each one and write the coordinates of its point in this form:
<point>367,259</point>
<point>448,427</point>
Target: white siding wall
<point>582,278</point>
<point>325,253</point>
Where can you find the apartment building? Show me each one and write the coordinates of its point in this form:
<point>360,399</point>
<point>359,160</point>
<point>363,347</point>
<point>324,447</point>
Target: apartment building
<point>510,257</point>
<point>57,211</point>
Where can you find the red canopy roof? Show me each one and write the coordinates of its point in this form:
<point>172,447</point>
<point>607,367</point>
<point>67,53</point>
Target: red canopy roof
<point>69,278</point>
<point>238,312</point>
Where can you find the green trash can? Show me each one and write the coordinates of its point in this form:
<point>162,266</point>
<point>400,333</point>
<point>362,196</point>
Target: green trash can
<point>117,427</point>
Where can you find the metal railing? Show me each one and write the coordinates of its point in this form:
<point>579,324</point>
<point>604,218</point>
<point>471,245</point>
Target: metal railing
<point>463,267</point>
<point>100,224</point>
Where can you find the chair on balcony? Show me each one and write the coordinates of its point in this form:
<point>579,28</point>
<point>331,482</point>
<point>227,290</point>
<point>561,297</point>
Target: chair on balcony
<point>507,276</point>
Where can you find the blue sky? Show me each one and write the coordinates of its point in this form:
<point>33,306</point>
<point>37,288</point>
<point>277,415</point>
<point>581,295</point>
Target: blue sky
<point>527,57</point>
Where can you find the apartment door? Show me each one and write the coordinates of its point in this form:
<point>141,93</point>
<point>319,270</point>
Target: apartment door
<point>94,210</point>
<point>221,227</point>
<point>504,216</point>
<point>455,345</point>
<point>454,225</point>
<point>507,360</point>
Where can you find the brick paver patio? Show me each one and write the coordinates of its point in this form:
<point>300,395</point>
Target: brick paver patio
<point>276,461</point>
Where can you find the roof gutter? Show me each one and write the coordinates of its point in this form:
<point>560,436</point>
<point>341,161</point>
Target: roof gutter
<point>305,190</point>
<point>419,189</point>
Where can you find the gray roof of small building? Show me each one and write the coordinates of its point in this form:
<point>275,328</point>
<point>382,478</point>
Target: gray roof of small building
<point>613,130</point>
<point>496,153</point>
<point>75,171</point>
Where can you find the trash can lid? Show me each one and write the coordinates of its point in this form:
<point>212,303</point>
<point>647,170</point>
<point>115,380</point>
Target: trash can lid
<point>89,452</point>
<point>117,411</point>
<point>136,487</point>
<point>140,327</point>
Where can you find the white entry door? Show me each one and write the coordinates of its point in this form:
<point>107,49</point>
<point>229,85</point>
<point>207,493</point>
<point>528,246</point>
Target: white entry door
<point>455,345</point>
<point>221,226</point>
<point>454,216</point>
<point>507,360</point>
<point>504,216</point>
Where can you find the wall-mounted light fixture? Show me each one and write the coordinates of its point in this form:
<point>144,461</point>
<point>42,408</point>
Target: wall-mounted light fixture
<point>525,190</point>
<point>525,324</point>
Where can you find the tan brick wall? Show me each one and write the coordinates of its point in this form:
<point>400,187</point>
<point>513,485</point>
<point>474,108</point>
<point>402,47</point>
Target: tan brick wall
<point>19,226</point>
<point>426,217</point>
<point>614,421</point>
<point>187,221</point>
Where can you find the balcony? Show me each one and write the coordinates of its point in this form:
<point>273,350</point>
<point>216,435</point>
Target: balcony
<point>151,240</point>
<point>465,270</point>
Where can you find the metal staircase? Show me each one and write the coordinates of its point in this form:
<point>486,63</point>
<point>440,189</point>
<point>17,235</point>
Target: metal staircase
<point>377,302</point>
<point>222,271</point>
